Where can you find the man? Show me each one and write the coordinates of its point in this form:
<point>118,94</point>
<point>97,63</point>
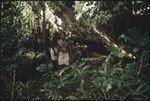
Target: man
<point>47,39</point>
<point>63,55</point>
<point>53,49</point>
<point>33,39</point>
<point>38,38</point>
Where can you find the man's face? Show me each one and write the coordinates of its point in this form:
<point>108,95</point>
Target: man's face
<point>32,30</point>
<point>38,29</point>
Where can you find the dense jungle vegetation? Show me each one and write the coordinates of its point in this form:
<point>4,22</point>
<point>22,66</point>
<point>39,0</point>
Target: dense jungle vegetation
<point>110,50</point>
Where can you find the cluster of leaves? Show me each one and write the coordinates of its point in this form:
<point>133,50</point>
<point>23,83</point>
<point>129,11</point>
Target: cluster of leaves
<point>56,5</point>
<point>27,18</point>
<point>93,12</point>
<point>11,50</point>
<point>10,28</point>
<point>101,12</point>
<point>109,80</point>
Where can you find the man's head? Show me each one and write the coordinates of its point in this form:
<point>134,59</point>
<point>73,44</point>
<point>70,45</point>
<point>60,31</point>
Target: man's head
<point>33,30</point>
<point>38,29</point>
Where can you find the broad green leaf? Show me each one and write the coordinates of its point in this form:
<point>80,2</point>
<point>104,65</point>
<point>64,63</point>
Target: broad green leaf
<point>71,97</point>
<point>108,87</point>
<point>140,87</point>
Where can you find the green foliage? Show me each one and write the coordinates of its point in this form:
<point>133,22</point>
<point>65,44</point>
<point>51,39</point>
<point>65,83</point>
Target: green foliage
<point>137,42</point>
<point>27,91</point>
<point>110,80</point>
<point>11,51</point>
<point>56,5</point>
<point>27,17</point>
<point>117,51</point>
<point>93,12</point>
<point>10,31</point>
<point>44,68</point>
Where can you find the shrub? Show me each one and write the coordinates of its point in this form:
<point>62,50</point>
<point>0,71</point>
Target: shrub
<point>108,81</point>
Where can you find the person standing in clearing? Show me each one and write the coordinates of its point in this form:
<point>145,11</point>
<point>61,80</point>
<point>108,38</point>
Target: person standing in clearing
<point>53,49</point>
<point>63,54</point>
<point>47,39</point>
<point>38,38</point>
